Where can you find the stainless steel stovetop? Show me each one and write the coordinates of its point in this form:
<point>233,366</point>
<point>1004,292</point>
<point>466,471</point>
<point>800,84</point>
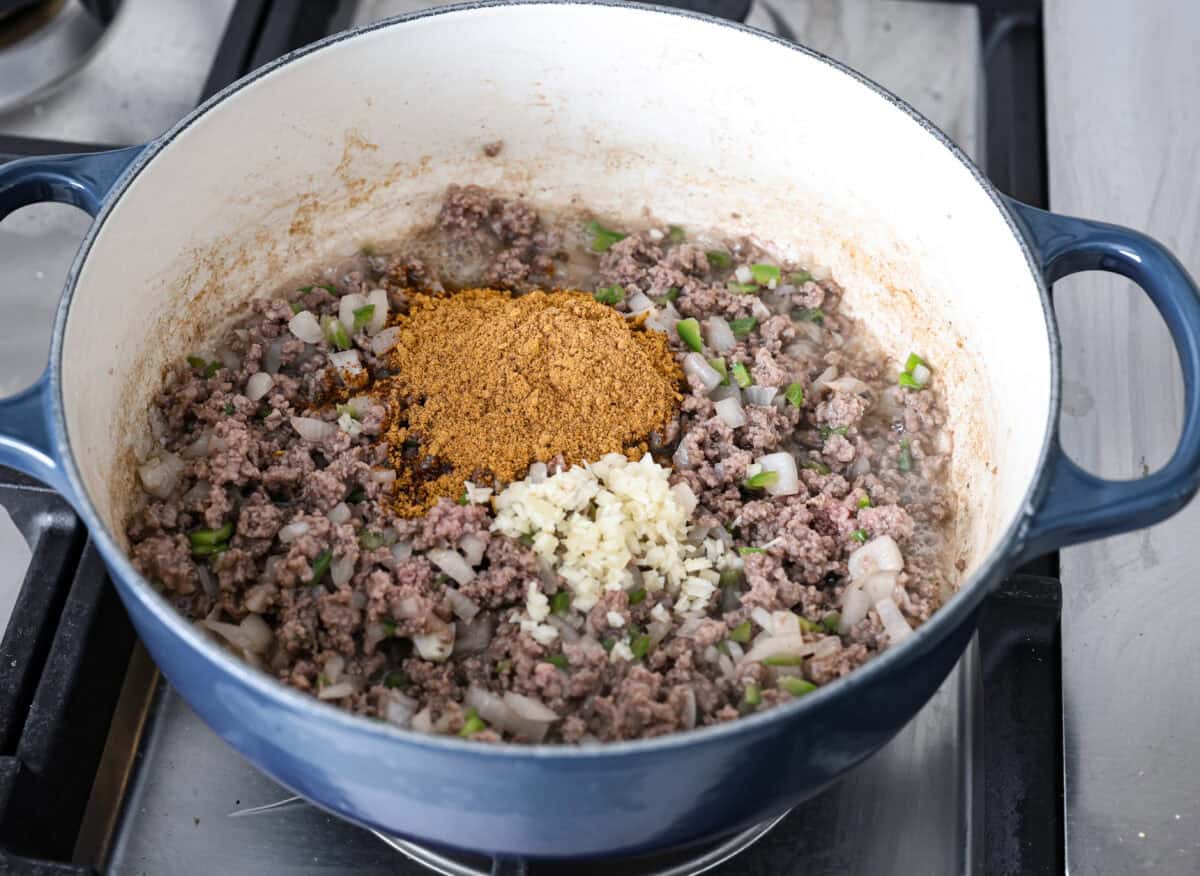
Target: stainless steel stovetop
<point>192,806</point>
<point>170,797</point>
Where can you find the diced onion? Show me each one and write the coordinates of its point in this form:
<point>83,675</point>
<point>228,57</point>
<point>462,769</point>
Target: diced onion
<point>743,274</point>
<point>474,635</point>
<point>373,634</point>
<point>333,667</point>
<point>198,448</point>
<point>719,335</point>
<point>685,498</point>
<point>785,623</point>
<point>339,514</point>
<point>158,429</point>
<point>378,298</point>
<point>477,495</point>
<point>783,464</point>
<point>257,632</point>
<point>824,377</point>
<point>890,402</point>
<point>312,429</point>
<point>422,721</point>
<point>346,308</point>
<point>920,375</point>
<point>695,365</point>
<point>464,607</point>
<point>880,554</point>
<point>894,623</point>
<point>731,413</point>
<point>452,563</point>
<point>770,646</point>
<point>472,548</point>
<point>435,646</point>
<point>879,586</point>
<point>407,608</point>
<point>247,638</point>
<point>538,472</point>
<point>160,476</point>
<point>272,356</point>
<point>724,392</point>
<point>680,457</point>
<point>401,551</point>
<point>258,385</point>
<point>259,596</point>
<point>847,384</point>
<point>763,618</point>
<point>490,706</point>
<point>385,340</point>
<point>341,570</point>
<point>400,709</point>
<point>565,630</point>
<point>335,691</point>
<point>689,708</point>
<point>528,708</point>
<point>759,395</point>
<point>383,475</point>
<point>855,605</point>
<point>639,303</point>
<point>293,531</point>
<point>827,646</point>
<point>305,327</point>
<point>348,363</point>
<point>663,319</point>
<point>518,715</point>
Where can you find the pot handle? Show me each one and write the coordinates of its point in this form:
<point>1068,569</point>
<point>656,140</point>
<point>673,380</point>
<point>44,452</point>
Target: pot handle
<point>1075,505</point>
<point>26,427</point>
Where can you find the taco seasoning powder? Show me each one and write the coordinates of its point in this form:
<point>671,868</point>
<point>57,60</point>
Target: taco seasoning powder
<point>485,383</point>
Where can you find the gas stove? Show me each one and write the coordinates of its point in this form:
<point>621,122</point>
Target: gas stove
<point>104,768</point>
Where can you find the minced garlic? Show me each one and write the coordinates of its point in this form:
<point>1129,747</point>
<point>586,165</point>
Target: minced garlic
<point>594,524</point>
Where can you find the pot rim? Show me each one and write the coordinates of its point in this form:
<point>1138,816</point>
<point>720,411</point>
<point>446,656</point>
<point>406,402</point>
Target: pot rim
<point>946,618</point>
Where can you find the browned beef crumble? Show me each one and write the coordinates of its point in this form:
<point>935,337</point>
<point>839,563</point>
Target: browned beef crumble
<point>244,464</point>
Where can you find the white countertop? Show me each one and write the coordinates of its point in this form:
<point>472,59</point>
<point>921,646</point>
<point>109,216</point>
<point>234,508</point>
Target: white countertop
<point>1122,78</point>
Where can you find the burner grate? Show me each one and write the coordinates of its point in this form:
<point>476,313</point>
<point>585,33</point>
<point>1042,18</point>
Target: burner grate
<point>685,862</point>
<point>62,661</point>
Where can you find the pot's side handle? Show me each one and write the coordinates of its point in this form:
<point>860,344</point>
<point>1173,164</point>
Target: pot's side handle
<point>1076,505</point>
<point>26,428</point>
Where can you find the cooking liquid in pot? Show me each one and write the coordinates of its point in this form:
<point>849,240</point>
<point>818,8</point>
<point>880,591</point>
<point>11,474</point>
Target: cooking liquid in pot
<point>788,523</point>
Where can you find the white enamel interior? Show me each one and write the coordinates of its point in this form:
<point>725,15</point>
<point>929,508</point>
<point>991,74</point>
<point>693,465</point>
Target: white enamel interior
<point>616,108</point>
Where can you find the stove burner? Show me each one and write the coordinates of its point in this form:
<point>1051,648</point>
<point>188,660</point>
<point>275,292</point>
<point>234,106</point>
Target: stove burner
<point>688,862</point>
<point>41,44</point>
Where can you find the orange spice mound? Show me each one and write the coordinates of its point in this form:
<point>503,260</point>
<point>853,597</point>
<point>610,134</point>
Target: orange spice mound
<point>485,383</point>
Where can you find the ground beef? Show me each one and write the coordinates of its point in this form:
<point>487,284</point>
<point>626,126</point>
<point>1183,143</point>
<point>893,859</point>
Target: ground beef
<point>167,560</point>
<point>301,534</point>
<point>887,520</point>
<point>447,522</point>
<point>841,410</point>
<point>259,518</point>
